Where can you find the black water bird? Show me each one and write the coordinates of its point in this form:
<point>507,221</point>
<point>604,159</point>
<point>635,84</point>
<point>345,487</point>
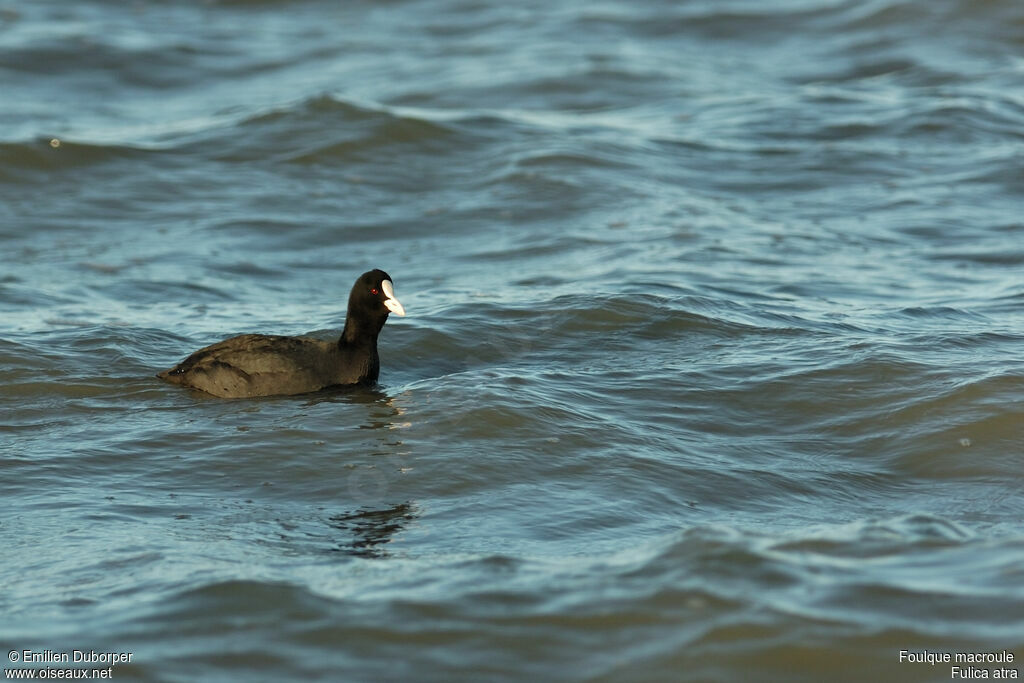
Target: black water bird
<point>267,365</point>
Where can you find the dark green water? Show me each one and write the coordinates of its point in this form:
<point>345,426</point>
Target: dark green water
<point>713,367</point>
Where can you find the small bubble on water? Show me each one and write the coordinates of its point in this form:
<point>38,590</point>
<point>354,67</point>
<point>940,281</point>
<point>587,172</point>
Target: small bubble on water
<point>696,603</point>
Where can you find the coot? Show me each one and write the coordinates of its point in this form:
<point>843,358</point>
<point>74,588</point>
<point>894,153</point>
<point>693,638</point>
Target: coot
<point>268,365</point>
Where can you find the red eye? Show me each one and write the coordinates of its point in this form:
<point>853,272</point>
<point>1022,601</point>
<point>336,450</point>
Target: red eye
<point>373,290</point>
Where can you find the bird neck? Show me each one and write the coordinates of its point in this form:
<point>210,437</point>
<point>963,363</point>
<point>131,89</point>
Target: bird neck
<point>360,332</point>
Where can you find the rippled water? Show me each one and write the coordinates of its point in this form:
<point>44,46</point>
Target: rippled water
<point>713,368</point>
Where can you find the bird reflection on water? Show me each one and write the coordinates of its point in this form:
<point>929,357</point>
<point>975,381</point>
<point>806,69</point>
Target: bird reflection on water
<point>371,530</point>
<point>372,525</point>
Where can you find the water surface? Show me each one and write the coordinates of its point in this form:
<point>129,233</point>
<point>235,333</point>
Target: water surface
<point>712,368</point>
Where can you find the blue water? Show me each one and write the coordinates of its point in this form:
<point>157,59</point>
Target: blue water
<point>713,367</point>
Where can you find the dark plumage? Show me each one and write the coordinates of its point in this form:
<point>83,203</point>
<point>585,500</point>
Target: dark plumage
<point>267,365</point>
